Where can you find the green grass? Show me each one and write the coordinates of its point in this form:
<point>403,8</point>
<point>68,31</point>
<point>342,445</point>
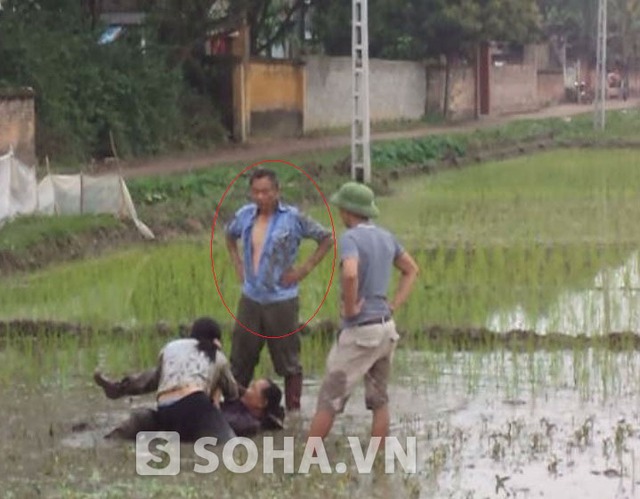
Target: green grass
<point>138,287</point>
<point>27,231</point>
<point>517,232</point>
<point>559,197</point>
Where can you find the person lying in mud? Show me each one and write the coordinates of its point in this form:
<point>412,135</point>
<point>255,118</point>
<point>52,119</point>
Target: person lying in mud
<point>189,373</point>
<point>189,379</point>
<point>257,409</point>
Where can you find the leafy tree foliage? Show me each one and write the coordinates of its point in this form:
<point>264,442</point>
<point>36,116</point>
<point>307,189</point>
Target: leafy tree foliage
<point>90,96</point>
<point>572,22</point>
<point>415,29</point>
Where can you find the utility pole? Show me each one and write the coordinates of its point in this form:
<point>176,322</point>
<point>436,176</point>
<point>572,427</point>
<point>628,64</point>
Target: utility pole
<point>601,68</point>
<point>360,129</point>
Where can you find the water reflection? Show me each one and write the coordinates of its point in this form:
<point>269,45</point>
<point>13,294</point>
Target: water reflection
<point>610,304</point>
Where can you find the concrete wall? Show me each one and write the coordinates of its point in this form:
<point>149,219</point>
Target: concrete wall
<point>435,91</point>
<point>462,101</point>
<point>514,88</point>
<point>285,98</point>
<point>397,91</point>
<point>18,124</point>
<point>274,97</point>
<point>462,95</point>
<point>550,88</point>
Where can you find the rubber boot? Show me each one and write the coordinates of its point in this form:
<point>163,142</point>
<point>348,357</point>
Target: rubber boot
<point>293,391</point>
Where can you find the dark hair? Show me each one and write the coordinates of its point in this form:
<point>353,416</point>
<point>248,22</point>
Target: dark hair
<point>262,173</point>
<point>205,330</point>
<point>273,413</point>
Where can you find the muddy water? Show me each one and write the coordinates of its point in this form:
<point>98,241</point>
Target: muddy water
<point>610,302</point>
<point>499,424</point>
<point>488,424</point>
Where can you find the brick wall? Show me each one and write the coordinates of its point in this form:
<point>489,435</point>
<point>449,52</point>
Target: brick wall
<point>550,87</point>
<point>18,124</point>
<point>462,93</point>
<point>514,88</point>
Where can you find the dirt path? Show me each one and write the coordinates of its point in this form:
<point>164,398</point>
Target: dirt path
<point>275,148</point>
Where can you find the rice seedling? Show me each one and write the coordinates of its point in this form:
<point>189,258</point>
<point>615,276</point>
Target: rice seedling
<point>546,243</point>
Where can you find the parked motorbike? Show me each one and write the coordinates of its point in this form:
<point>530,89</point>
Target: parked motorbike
<point>582,92</point>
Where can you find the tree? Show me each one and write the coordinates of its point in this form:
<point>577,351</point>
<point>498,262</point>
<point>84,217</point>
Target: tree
<point>624,31</point>
<point>452,29</point>
<point>427,28</point>
<point>271,22</point>
<point>87,93</point>
<point>389,36</point>
<point>571,23</point>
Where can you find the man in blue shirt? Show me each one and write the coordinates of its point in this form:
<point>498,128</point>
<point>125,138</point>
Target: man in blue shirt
<point>271,233</point>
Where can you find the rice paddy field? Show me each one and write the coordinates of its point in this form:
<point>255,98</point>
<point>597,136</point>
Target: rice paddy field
<point>541,246</point>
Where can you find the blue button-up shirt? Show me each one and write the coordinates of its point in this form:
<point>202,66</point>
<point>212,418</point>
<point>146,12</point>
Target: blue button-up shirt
<point>287,228</point>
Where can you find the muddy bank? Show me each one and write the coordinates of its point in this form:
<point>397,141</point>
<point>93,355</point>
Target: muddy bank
<point>70,246</point>
<point>91,243</point>
<point>25,327</point>
<point>432,337</point>
<point>438,337</point>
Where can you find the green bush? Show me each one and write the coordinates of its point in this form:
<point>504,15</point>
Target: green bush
<point>416,151</point>
<point>90,95</point>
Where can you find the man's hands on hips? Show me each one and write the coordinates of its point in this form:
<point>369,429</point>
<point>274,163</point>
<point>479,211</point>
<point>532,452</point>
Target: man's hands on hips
<point>352,311</point>
<point>293,276</point>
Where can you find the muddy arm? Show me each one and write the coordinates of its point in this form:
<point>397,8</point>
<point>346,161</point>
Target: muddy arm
<point>227,383</point>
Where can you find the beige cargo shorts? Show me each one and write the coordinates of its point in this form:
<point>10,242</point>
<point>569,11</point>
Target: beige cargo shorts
<point>360,351</point>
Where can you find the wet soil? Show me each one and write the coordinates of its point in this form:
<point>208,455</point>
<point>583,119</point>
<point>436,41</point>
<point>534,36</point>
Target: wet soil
<point>493,425</point>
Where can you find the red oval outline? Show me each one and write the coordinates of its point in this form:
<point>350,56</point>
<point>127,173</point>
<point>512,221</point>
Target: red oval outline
<point>213,228</point>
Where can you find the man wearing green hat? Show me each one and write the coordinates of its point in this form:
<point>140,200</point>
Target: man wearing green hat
<point>367,338</point>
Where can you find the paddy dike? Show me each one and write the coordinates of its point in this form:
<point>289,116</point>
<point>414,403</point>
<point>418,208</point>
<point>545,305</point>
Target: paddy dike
<point>431,337</point>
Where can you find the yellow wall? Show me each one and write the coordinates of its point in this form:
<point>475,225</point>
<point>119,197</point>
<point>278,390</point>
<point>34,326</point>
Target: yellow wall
<point>275,86</point>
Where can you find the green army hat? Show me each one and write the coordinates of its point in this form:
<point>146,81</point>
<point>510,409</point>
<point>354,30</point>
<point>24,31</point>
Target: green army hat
<point>356,198</point>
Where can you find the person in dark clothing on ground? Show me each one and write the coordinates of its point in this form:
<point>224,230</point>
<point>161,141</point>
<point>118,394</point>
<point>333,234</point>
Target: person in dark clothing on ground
<point>188,374</point>
<point>183,379</point>
<point>257,409</point>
